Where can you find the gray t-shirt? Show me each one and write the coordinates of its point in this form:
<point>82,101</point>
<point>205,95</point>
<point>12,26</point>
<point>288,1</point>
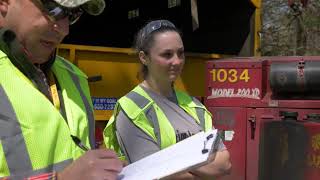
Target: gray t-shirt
<point>136,144</point>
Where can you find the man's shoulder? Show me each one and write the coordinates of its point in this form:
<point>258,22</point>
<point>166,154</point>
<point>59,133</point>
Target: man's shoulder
<point>63,64</point>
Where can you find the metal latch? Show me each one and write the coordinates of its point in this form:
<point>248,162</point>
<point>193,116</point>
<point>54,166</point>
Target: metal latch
<point>252,121</point>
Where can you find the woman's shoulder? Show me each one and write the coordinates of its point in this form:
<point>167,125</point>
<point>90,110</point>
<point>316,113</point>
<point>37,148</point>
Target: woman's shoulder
<point>137,94</point>
<point>134,102</point>
<point>185,99</point>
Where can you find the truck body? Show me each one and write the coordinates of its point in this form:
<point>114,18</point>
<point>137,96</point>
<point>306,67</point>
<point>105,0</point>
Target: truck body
<point>269,110</point>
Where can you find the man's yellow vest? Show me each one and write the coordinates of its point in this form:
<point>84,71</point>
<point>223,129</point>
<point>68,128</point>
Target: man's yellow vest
<point>34,136</point>
<point>137,102</point>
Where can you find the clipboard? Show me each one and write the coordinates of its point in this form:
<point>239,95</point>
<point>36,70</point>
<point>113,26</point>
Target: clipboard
<point>187,154</point>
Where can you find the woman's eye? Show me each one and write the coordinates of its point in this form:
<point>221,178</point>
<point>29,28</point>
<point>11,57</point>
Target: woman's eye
<point>167,55</point>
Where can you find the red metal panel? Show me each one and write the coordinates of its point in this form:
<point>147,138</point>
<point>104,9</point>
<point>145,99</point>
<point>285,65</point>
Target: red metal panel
<point>233,119</point>
<point>257,149</point>
<point>258,121</point>
<point>259,117</point>
<point>258,71</point>
<point>237,82</point>
<point>312,169</point>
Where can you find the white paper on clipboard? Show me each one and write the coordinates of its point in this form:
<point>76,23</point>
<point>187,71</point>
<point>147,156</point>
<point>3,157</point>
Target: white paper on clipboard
<point>188,153</point>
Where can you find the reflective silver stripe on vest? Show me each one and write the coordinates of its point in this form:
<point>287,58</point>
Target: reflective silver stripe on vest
<point>150,113</point>
<point>56,167</point>
<point>14,146</point>
<point>153,119</point>
<point>13,143</point>
<point>200,113</point>
<point>86,103</point>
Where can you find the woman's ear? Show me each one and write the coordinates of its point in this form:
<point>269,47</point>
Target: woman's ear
<point>143,58</point>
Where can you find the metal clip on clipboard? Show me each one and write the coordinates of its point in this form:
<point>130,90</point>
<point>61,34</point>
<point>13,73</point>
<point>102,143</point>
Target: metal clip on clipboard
<point>215,144</point>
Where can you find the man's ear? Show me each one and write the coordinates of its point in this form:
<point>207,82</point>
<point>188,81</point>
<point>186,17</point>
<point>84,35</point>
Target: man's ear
<point>4,4</point>
<point>143,58</point>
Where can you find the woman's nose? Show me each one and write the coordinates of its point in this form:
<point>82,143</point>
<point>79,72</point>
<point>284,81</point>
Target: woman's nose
<point>177,59</point>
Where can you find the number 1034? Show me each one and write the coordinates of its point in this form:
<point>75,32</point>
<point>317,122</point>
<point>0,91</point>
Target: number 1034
<point>230,75</point>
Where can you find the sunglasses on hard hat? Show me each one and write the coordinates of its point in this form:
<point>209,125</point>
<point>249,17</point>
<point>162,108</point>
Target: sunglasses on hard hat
<point>56,12</point>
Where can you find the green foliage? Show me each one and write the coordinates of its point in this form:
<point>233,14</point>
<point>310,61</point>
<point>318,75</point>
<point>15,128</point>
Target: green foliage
<point>287,32</point>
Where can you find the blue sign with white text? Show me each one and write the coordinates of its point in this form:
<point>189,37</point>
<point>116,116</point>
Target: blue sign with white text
<point>103,103</point>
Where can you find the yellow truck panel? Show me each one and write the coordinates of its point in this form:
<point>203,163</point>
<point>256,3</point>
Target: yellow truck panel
<point>118,68</point>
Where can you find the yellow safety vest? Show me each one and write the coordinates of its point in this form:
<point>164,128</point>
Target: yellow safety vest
<point>135,104</point>
<point>34,136</point>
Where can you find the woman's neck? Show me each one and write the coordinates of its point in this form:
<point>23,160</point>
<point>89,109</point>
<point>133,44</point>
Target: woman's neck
<point>164,89</point>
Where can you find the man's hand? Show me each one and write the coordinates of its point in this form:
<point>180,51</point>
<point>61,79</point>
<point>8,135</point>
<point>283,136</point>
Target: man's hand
<point>94,164</point>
